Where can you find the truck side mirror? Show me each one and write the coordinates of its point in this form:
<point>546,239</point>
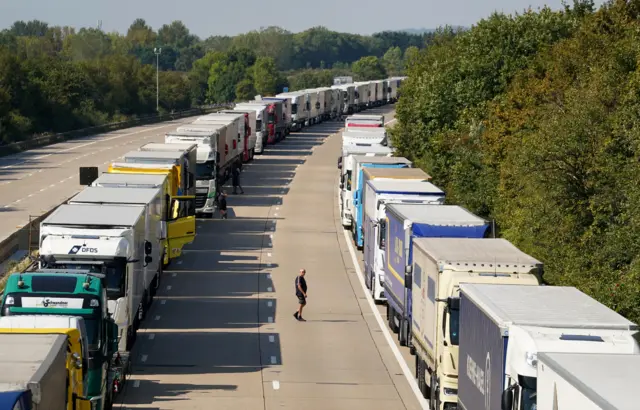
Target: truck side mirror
<point>453,303</point>
<point>507,399</point>
<point>147,247</point>
<point>408,270</point>
<point>341,185</point>
<point>148,259</point>
<point>408,280</point>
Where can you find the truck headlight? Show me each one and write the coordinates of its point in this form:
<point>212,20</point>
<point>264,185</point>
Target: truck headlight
<point>532,359</point>
<point>449,392</point>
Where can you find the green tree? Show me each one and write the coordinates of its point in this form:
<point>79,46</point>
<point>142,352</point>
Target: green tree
<point>392,61</point>
<point>245,90</point>
<point>368,68</point>
<point>265,76</point>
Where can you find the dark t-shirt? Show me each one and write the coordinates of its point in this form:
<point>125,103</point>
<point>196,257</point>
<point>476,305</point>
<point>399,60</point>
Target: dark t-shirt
<point>303,285</point>
<point>223,204</point>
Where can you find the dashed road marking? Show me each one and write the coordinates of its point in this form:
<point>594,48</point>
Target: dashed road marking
<point>157,318</point>
<point>136,383</point>
<point>270,303</point>
<point>163,302</point>
<point>152,336</point>
<point>269,289</point>
<point>276,385</point>
<point>144,357</point>
<point>270,319</point>
<point>272,339</point>
<point>273,360</point>
<point>173,275</point>
<point>169,287</point>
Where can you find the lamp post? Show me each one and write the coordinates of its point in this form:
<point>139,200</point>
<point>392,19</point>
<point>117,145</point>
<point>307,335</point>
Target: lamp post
<point>157,52</point>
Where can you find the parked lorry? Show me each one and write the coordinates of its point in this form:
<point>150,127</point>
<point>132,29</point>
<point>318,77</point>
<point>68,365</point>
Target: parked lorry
<point>285,117</point>
<point>364,121</point>
<point>179,159</point>
<point>314,107</point>
<point>345,165</point>
<point>260,126</point>
<point>248,143</point>
<point>440,266</point>
<point>570,381</point>
<point>275,124</point>
<point>503,329</point>
<point>367,136</point>
<point>170,171</point>
<point>362,95</point>
<point>73,302</point>
<point>404,223</point>
<point>174,239</point>
<point>378,194</point>
<point>108,239</point>
<point>348,98</point>
<point>360,164</point>
<point>236,128</point>
<point>299,112</point>
<point>156,215</point>
<point>37,372</point>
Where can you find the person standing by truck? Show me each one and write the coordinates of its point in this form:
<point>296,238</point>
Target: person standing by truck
<point>222,205</point>
<point>301,293</point>
<point>235,176</point>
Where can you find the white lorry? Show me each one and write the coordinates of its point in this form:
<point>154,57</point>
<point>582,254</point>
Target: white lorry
<point>440,266</point>
<point>378,194</point>
<point>154,204</point>
<point>260,125</point>
<point>511,325</point>
<point>365,137</point>
<point>299,111</point>
<point>345,165</point>
<point>362,95</point>
<point>571,381</point>
<point>347,98</point>
<point>109,240</point>
<point>236,123</point>
<point>364,121</point>
<point>314,107</point>
<point>249,140</point>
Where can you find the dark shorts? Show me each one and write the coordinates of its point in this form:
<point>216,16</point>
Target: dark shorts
<point>301,300</point>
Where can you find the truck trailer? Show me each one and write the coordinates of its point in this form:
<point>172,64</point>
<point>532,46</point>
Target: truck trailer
<point>249,141</point>
<point>34,373</point>
<point>260,126</point>
<point>285,118</point>
<point>180,159</point>
<point>110,239</point>
<point>570,381</point>
<point>238,125</point>
<point>440,267</point>
<point>378,194</point>
<point>403,224</point>
<point>357,185</point>
<point>299,112</point>
<point>366,137</point>
<point>503,329</point>
<point>347,98</point>
<point>345,165</point>
<point>275,124</point>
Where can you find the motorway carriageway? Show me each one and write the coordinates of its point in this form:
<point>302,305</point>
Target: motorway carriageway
<point>35,181</point>
<point>221,333</point>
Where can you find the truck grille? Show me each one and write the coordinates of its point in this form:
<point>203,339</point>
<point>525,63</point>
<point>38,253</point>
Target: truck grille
<point>201,199</point>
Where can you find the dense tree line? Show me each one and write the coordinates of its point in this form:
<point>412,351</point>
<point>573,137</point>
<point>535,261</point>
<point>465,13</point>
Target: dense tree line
<point>54,79</point>
<point>532,120</point>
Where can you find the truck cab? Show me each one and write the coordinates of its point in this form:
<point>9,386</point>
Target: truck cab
<point>440,266</point>
<point>92,336</point>
<point>286,114</point>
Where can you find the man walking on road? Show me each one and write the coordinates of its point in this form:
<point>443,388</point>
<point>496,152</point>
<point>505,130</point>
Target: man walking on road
<point>301,293</point>
<point>222,205</point>
<point>235,176</point>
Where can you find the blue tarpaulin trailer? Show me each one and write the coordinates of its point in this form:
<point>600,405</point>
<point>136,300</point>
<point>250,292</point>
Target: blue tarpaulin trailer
<point>405,222</point>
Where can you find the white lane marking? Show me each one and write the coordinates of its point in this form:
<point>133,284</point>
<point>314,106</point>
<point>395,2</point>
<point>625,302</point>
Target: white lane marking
<point>152,336</point>
<point>276,214</point>
<point>408,374</point>
<point>169,287</point>
<point>83,145</point>
<point>272,339</point>
<point>136,383</point>
<point>157,318</point>
<point>276,385</point>
<point>269,265</point>
<point>271,236</point>
<point>179,262</point>
<point>270,319</point>
<point>144,357</point>
<point>173,275</point>
<point>268,276</point>
<point>273,360</point>
<point>277,208</point>
<point>163,302</point>
<point>269,289</point>
<point>270,303</point>
<point>268,254</point>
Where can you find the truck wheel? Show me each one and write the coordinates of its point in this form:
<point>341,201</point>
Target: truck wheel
<point>372,286</point>
<point>420,373</point>
<point>402,339</point>
<point>392,320</point>
<point>433,396</point>
<point>141,310</point>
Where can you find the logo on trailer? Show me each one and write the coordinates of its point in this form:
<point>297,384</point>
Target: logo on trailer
<point>82,249</point>
<point>74,250</point>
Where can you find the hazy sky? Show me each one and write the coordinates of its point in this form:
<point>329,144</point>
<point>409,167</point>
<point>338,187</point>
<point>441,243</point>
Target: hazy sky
<point>217,17</point>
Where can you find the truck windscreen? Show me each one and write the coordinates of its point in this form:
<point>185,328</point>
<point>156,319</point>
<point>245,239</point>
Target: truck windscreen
<point>115,274</point>
<point>529,392</point>
<point>454,326</point>
<point>294,108</point>
<point>205,170</point>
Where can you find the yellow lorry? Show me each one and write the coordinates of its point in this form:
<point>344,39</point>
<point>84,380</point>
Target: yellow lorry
<point>180,222</point>
<point>44,363</point>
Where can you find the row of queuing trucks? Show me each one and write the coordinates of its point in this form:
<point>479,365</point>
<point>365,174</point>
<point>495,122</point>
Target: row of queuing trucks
<point>486,332</point>
<point>69,324</point>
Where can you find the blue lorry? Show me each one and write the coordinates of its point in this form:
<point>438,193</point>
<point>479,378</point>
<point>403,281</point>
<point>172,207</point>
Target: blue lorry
<point>404,222</point>
<point>359,164</point>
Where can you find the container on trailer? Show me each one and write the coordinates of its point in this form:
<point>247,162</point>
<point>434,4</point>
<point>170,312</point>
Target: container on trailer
<point>180,159</point>
<point>587,381</point>
<point>503,329</point>
<point>249,142</point>
<point>261,132</point>
<point>237,123</point>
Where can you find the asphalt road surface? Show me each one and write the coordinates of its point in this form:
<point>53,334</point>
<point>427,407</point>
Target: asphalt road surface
<point>35,181</point>
<point>221,335</point>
